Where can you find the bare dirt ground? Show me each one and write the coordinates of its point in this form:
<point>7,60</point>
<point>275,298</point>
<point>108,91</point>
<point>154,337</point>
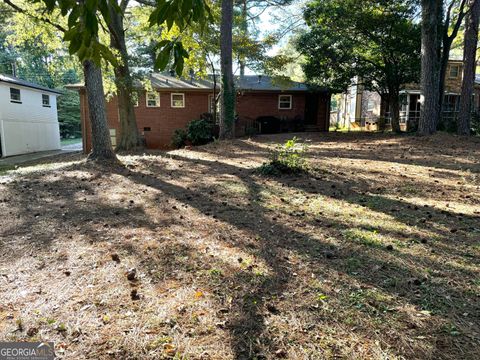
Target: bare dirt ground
<point>374,255</point>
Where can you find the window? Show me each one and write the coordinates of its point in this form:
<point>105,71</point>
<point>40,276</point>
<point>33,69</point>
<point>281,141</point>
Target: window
<point>333,104</point>
<point>370,105</point>
<point>178,100</point>
<point>285,102</point>
<point>454,71</point>
<point>15,95</point>
<point>113,137</point>
<point>211,103</point>
<point>352,107</point>
<point>135,98</point>
<point>153,99</point>
<point>45,100</point>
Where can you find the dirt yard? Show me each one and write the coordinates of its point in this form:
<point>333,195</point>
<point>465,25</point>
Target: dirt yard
<point>192,254</point>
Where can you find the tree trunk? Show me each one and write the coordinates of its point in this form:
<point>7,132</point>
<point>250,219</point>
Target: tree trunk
<point>441,78</point>
<point>227,120</point>
<point>101,144</point>
<point>444,52</point>
<point>469,61</point>
<point>394,103</point>
<point>244,30</point>
<point>431,16</point>
<point>129,138</point>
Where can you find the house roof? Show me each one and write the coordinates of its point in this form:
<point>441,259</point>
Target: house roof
<point>16,81</point>
<point>164,81</point>
<point>267,83</point>
<point>247,82</point>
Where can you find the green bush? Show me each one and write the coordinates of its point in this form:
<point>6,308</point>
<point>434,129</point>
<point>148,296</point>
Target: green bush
<point>288,158</point>
<point>200,132</point>
<point>179,138</point>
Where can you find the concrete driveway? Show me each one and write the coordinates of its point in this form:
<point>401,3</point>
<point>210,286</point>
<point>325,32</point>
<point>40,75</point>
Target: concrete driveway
<point>73,147</point>
<point>20,159</point>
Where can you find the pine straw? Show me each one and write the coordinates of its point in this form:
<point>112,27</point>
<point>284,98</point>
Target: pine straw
<point>373,255</point>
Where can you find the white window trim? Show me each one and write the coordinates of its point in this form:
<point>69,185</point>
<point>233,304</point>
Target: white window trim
<point>19,101</point>
<point>157,98</point>
<point>210,100</point>
<point>48,97</point>
<point>284,108</point>
<point>450,71</point>
<point>171,100</point>
<point>113,136</point>
<point>371,105</point>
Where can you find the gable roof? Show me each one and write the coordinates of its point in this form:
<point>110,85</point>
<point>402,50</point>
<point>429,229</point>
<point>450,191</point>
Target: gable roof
<point>164,81</point>
<point>16,81</point>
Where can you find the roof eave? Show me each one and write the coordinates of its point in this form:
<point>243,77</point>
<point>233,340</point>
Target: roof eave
<point>40,88</point>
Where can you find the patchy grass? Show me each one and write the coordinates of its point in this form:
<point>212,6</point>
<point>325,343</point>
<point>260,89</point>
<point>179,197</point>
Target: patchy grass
<point>4,169</point>
<point>374,254</point>
<point>70,141</point>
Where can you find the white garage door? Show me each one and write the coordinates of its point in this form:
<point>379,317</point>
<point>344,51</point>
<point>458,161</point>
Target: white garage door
<point>22,137</point>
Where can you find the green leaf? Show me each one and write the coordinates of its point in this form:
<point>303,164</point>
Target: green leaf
<point>91,4</point>
<point>163,56</point>
<point>91,22</point>
<point>73,17</point>
<point>75,44</point>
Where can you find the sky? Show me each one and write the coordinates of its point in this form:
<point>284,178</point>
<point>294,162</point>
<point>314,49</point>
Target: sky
<point>275,19</point>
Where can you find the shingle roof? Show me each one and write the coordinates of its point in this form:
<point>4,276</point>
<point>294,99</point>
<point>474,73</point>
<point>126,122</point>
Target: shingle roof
<point>164,81</point>
<point>16,81</point>
<point>266,83</point>
<point>247,82</point>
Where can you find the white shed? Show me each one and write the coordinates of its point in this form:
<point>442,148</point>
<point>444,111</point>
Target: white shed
<point>28,117</point>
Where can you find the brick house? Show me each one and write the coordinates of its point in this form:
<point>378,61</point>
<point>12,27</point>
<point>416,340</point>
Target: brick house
<point>263,106</point>
<point>364,107</point>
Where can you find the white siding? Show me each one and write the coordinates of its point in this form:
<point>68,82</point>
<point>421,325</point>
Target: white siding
<point>29,126</point>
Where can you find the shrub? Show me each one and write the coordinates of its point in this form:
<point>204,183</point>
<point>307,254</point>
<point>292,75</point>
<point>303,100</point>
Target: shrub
<point>179,138</point>
<point>200,132</point>
<point>288,158</point>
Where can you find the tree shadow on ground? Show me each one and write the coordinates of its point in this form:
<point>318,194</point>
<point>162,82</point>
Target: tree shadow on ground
<point>292,245</point>
<point>248,326</point>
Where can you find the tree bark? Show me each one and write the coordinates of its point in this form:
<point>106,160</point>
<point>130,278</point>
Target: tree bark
<point>227,120</point>
<point>469,63</point>
<point>129,138</point>
<point>447,41</point>
<point>101,144</point>
<point>429,116</point>
<point>244,30</point>
<point>394,103</point>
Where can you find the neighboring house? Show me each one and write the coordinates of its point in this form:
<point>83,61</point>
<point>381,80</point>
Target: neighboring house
<point>263,106</point>
<point>366,107</point>
<point>356,106</point>
<point>28,117</point>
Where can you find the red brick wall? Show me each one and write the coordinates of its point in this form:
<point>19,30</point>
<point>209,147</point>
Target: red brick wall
<point>162,121</point>
<point>86,129</point>
<point>252,105</point>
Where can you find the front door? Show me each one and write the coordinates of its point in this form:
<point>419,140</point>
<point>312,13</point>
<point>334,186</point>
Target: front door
<point>311,109</point>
